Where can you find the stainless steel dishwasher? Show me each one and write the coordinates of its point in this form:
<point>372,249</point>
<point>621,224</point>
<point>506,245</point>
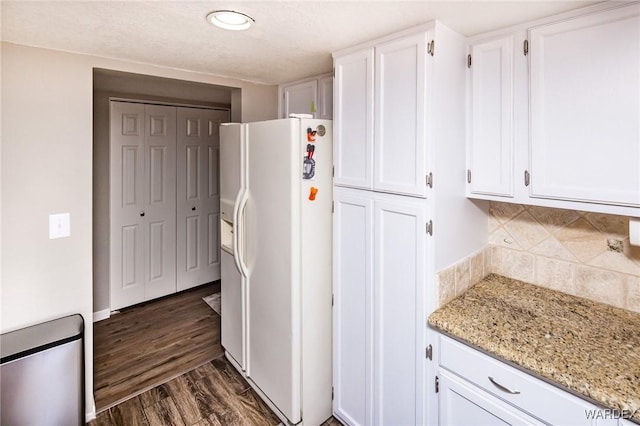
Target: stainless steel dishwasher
<point>42,374</point>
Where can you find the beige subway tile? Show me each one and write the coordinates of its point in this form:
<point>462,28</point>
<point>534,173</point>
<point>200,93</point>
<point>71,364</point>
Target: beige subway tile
<point>500,237</point>
<point>487,261</point>
<point>553,219</point>
<point>617,262</point>
<point>504,211</point>
<point>612,225</point>
<point>518,265</point>
<point>583,240</point>
<point>525,230</point>
<point>462,276</point>
<point>551,247</point>
<point>600,285</point>
<point>476,267</point>
<point>447,284</point>
<point>555,274</point>
<point>632,298</point>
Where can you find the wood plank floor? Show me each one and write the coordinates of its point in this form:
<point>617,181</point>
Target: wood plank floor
<point>149,344</point>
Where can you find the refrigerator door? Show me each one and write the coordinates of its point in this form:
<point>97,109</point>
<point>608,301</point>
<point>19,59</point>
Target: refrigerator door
<point>233,283</point>
<point>272,218</point>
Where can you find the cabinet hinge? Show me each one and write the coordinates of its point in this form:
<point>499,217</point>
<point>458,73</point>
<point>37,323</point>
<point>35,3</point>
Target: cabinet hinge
<point>527,178</point>
<point>429,180</point>
<point>429,353</point>
<point>430,228</point>
<point>332,393</point>
<point>468,175</point>
<point>333,207</point>
<point>332,300</point>
<point>437,384</point>
<point>469,61</point>
<point>431,47</point>
<point>525,47</point>
<point>334,72</point>
<point>333,171</point>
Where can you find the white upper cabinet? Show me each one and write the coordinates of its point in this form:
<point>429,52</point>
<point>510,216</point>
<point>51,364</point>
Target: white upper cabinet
<point>491,139</point>
<point>309,96</point>
<point>585,108</point>
<point>380,116</point>
<point>554,112</point>
<point>353,124</point>
<point>399,147</point>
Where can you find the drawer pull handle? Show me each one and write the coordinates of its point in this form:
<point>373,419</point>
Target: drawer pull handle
<point>503,388</point>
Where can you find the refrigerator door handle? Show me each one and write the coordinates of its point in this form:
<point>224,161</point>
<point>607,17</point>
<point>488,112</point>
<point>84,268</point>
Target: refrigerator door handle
<point>236,226</point>
<point>244,271</point>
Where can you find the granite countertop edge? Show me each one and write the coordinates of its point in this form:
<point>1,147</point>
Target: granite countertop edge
<point>514,322</point>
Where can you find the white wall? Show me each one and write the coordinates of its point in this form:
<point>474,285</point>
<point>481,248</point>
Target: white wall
<point>47,106</point>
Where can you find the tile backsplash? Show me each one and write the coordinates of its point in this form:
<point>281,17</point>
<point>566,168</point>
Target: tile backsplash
<point>584,254</point>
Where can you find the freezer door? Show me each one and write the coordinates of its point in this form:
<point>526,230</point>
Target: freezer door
<point>272,218</point>
<point>231,139</point>
<point>233,310</point>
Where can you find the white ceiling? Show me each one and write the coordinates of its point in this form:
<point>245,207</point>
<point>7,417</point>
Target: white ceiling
<point>289,40</point>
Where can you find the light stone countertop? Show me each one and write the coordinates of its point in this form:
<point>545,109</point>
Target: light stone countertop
<point>588,348</point>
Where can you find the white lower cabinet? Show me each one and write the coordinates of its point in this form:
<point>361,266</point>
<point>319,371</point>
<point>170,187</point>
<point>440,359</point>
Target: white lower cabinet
<point>477,389</point>
<point>463,404</point>
<point>379,275</point>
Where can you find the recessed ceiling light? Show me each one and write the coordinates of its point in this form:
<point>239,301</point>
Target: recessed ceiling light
<point>230,20</point>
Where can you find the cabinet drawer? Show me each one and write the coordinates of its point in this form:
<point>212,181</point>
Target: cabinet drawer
<point>540,399</point>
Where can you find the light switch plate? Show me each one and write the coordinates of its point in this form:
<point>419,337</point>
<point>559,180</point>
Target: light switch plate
<point>59,225</point>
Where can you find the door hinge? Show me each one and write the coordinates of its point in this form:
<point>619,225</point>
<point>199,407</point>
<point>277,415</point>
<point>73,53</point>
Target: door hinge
<point>469,61</point>
<point>468,175</point>
<point>527,178</point>
<point>429,353</point>
<point>437,384</point>
<point>429,180</point>
<point>431,47</point>
<point>525,47</point>
<point>430,227</point>
<point>332,393</point>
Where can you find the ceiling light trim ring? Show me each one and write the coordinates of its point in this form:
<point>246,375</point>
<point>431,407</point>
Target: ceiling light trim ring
<point>230,20</point>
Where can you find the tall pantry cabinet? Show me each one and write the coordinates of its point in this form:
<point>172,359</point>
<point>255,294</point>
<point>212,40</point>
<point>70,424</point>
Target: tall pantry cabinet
<point>164,200</point>
<point>400,215</point>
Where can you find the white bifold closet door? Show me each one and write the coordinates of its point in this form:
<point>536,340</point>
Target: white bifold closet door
<point>198,196</point>
<point>142,202</point>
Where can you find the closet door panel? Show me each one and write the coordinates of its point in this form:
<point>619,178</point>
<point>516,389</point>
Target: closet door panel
<point>160,196</point>
<point>126,240</point>
<point>198,196</point>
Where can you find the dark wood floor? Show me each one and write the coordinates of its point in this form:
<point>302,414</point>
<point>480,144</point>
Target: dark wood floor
<point>161,363</point>
<point>212,394</point>
<point>150,344</point>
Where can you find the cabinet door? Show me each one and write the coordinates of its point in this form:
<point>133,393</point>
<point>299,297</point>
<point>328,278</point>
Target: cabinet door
<point>301,98</point>
<point>585,114</point>
<point>352,310</point>
<point>491,140</point>
<point>198,196</point>
<point>399,317</point>
<point>399,147</point>
<point>353,125</point>
<point>462,404</point>
<point>325,103</point>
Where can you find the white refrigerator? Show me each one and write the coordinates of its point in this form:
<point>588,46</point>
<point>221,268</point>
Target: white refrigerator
<point>276,230</point>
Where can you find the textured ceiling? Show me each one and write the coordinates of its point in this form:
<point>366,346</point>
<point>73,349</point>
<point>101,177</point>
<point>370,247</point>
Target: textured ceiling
<point>289,40</point>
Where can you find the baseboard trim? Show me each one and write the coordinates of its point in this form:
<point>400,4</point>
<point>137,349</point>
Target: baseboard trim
<point>101,315</point>
<point>90,415</point>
